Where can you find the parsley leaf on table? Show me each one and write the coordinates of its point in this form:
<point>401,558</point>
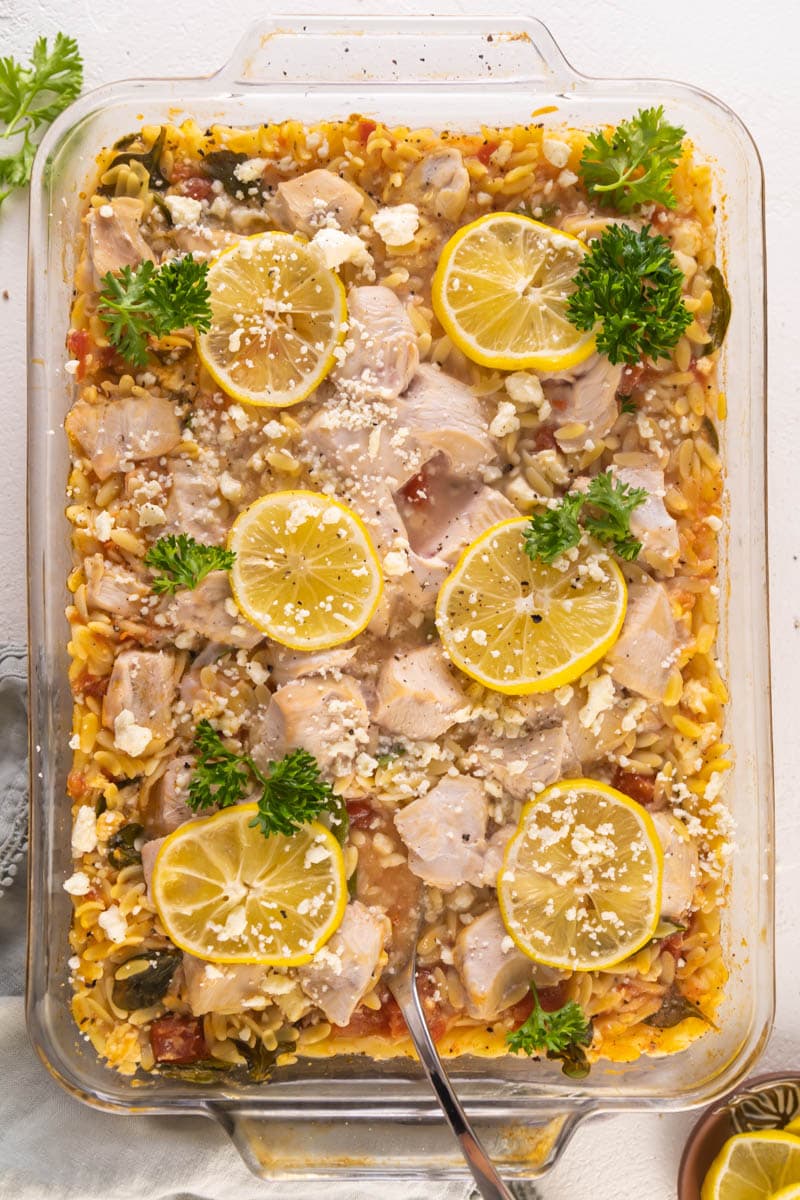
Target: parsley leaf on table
<point>292,790</point>
<point>635,165</point>
<point>561,1035</point>
<point>185,562</point>
<point>629,287</point>
<point>32,96</point>
<point>150,302</point>
<point>553,532</point>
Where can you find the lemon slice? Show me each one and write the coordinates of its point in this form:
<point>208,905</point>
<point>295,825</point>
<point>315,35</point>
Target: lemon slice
<point>501,291</point>
<point>306,571</point>
<point>750,1166</point>
<point>226,893</point>
<point>277,317</point>
<point>793,1126</point>
<point>792,1192</point>
<point>580,885</point>
<point>519,626</point>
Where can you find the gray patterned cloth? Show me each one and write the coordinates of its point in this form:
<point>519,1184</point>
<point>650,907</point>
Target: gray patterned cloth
<point>51,1145</point>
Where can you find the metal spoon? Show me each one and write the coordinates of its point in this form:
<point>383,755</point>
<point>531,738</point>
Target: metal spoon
<point>401,976</point>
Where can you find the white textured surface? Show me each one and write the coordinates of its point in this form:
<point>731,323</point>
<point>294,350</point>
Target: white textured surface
<point>725,46</point>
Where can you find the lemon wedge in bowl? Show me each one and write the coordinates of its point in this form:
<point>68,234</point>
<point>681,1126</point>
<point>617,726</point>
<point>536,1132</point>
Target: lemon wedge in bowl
<point>306,571</point>
<point>501,291</point>
<point>580,885</point>
<point>520,626</point>
<point>277,315</point>
<point>753,1165</point>
<point>227,894</point>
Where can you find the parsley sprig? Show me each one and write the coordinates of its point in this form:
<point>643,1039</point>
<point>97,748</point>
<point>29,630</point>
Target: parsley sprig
<point>31,97</point>
<point>629,287</point>
<point>560,1035</point>
<point>185,562</point>
<point>635,165</point>
<point>553,532</point>
<point>147,301</point>
<point>292,790</point>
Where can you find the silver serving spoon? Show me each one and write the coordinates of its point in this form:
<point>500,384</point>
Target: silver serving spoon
<point>401,977</point>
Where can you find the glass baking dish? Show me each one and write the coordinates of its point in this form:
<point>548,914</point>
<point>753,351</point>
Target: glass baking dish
<point>349,1116</point>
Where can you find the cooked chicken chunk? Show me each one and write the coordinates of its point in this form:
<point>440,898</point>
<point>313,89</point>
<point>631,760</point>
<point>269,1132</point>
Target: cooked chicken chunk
<point>114,589</point>
<point>349,966</point>
<point>495,852</point>
<point>517,763</point>
<point>113,241</point>
<point>140,696</point>
<point>446,513</point>
<point>194,505</point>
<point>416,695</point>
<point>312,200</point>
<point>442,416</point>
<point>648,646</point>
<point>650,522</point>
<point>326,717</point>
<point>445,832</point>
<point>166,806</point>
<point>114,434</point>
<point>584,401</point>
<point>222,987</point>
<point>495,974</point>
<point>369,461</point>
<point>149,854</point>
<point>288,665</point>
<point>439,183</point>
<point>381,345</point>
<point>590,744</point>
<point>681,865</point>
<point>209,611</point>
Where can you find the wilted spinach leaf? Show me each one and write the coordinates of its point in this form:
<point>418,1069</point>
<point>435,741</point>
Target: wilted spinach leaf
<point>122,851</point>
<point>720,313</point>
<point>149,985</point>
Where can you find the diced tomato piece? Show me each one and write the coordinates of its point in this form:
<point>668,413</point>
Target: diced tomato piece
<point>365,128</point>
<point>371,1022</point>
<point>630,379</point>
<point>486,151</point>
<point>76,785</point>
<point>178,1039</point>
<point>361,814</point>
<point>91,685</point>
<point>640,788</point>
<point>544,439</point>
<point>550,998</point>
<point>79,344</point>
<point>198,187</point>
<point>182,169</point>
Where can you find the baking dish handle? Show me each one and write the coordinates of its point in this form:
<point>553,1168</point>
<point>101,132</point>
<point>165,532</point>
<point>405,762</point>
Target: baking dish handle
<point>402,51</point>
<point>386,1144</point>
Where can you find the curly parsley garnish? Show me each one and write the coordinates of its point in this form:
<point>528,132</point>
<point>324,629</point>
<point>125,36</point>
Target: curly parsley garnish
<point>31,97</point>
<point>151,301</point>
<point>560,1035</point>
<point>185,562</point>
<point>629,287</point>
<point>635,165</point>
<point>551,533</point>
<point>292,790</point>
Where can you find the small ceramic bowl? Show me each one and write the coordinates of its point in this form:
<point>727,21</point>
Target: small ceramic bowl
<point>764,1102</point>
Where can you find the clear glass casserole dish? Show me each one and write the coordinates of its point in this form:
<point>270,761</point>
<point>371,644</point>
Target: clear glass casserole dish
<point>322,1118</point>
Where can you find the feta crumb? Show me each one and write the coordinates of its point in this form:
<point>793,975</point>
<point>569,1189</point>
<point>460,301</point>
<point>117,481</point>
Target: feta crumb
<point>333,248</point>
<point>183,210</point>
<point>84,831</point>
<point>129,737</point>
<point>71,366</point>
<point>103,524</point>
<point>77,884</point>
<point>250,171</point>
<point>599,699</point>
<point>107,211</point>
<point>395,563</point>
<point>75,742</point>
<point>256,672</point>
<point>563,695</point>
<point>567,178</point>
<point>526,391</point>
<point>151,514</point>
<point>555,151</point>
<point>396,225</point>
<point>230,487</point>
<point>505,420</point>
<point>114,924</point>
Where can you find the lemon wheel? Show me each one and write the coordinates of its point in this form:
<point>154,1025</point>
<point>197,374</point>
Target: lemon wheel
<point>306,571</point>
<point>580,885</point>
<point>277,317</point>
<point>226,893</point>
<point>501,291</point>
<point>519,626</point>
<point>753,1166</point>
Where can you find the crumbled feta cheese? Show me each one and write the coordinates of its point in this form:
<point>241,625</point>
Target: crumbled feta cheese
<point>107,211</point>
<point>103,524</point>
<point>75,742</point>
<point>250,171</point>
<point>183,210</point>
<point>151,514</point>
<point>129,737</point>
<point>114,924</point>
<point>71,366</point>
<point>505,420</point>
<point>230,487</point>
<point>563,695</point>
<point>256,672</point>
<point>77,884</point>
<point>84,831</point>
<point>396,225</point>
<point>395,563</point>
<point>567,178</point>
<point>555,151</point>
<point>333,248</point>
<point>600,698</point>
<point>525,390</point>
